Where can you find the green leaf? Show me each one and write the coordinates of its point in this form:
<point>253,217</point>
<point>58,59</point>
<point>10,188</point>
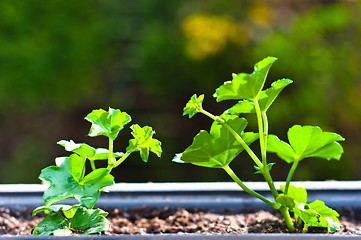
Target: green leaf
<point>258,170</point>
<point>283,150</point>
<point>78,148</point>
<point>107,123</point>
<point>83,221</point>
<point>144,142</point>
<point>90,152</point>
<point>286,201</point>
<point>67,210</point>
<point>265,98</point>
<point>98,176</point>
<point>103,153</point>
<point>305,142</point>
<point>245,86</point>
<point>219,147</point>
<point>49,224</point>
<point>317,214</point>
<point>40,209</point>
<point>325,211</point>
<point>89,221</point>
<point>297,193</point>
<point>193,106</point>
<point>67,181</point>
<point>243,106</point>
<point>293,198</point>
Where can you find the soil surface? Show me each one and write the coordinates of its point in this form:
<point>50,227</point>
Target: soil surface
<point>144,221</point>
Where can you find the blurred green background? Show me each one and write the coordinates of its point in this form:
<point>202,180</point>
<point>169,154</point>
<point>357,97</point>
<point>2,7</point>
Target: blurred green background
<point>61,59</point>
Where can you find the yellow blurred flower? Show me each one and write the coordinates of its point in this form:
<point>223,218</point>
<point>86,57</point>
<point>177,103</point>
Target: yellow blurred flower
<point>261,15</point>
<point>209,34</point>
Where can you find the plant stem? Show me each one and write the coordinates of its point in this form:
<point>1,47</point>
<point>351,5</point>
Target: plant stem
<point>263,132</point>
<point>290,175</point>
<point>263,135</point>
<point>265,125</point>
<point>287,217</point>
<point>245,146</point>
<point>110,153</point>
<point>120,160</point>
<point>92,164</point>
<point>246,189</point>
<point>237,136</point>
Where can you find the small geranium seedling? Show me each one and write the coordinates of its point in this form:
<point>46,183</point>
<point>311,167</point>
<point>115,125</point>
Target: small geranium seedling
<point>68,178</point>
<point>228,137</point>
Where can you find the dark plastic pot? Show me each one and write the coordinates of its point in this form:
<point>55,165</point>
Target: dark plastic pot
<point>215,196</point>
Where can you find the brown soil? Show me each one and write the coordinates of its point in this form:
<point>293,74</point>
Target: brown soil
<point>143,221</point>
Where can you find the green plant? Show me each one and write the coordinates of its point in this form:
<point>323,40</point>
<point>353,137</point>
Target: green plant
<point>227,139</point>
<point>68,179</point>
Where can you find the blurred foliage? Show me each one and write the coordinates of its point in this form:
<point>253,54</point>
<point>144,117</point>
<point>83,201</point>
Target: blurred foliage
<point>52,52</point>
<point>61,59</point>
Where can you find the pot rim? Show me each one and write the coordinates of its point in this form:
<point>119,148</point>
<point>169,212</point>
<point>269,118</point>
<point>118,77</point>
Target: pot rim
<point>213,195</point>
<point>329,185</point>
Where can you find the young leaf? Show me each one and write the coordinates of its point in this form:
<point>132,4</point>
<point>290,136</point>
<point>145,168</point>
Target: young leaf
<point>317,214</point>
<point>193,106</point>
<point>219,147</point>
<point>286,201</point>
<point>330,215</point>
<point>265,98</point>
<point>297,193</point>
<point>258,170</point>
<point>144,142</point>
<point>243,106</point>
<point>67,210</point>
<point>103,153</point>
<point>50,224</point>
<point>107,124</point>
<point>83,221</point>
<point>305,142</point>
<point>89,221</point>
<point>67,181</point>
<point>245,86</point>
<point>90,152</point>
<point>78,148</point>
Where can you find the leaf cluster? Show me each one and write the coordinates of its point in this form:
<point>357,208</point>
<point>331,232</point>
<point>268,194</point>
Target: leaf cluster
<point>69,179</point>
<point>314,214</point>
<point>228,137</point>
<point>83,220</point>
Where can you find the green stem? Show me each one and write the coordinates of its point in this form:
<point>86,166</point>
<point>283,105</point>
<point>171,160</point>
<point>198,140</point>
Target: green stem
<point>213,117</point>
<point>305,228</point>
<point>110,153</point>
<point>245,146</point>
<point>120,160</point>
<point>263,132</point>
<point>246,189</point>
<point>237,136</point>
<point>92,164</point>
<point>290,175</point>
<point>265,125</point>
<point>287,217</point>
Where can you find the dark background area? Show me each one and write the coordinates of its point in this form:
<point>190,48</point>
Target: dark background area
<point>61,59</point>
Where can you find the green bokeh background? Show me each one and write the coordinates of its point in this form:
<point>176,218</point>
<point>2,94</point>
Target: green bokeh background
<point>61,59</point>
